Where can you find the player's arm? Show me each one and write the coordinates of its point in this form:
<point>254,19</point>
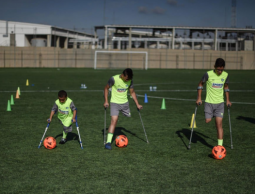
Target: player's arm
<point>53,111</point>
<point>73,108</point>
<point>200,88</point>
<point>110,83</point>
<point>74,115</point>
<point>199,92</point>
<point>132,93</point>
<point>226,89</point>
<point>106,91</point>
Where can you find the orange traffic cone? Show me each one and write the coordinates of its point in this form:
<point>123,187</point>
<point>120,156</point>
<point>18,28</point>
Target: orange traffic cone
<point>17,94</point>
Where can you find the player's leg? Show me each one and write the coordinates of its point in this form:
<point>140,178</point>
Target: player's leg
<point>218,124</point>
<point>114,120</point>
<point>218,113</point>
<point>66,130</point>
<point>208,112</point>
<point>125,110</point>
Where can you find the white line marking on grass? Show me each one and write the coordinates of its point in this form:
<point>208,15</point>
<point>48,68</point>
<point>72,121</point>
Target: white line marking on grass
<point>193,90</point>
<point>57,91</point>
<point>193,100</point>
<point>171,83</point>
<point>135,90</point>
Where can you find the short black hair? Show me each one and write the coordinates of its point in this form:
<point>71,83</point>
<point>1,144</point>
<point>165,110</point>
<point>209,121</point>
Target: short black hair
<point>128,72</point>
<point>62,93</point>
<point>219,62</point>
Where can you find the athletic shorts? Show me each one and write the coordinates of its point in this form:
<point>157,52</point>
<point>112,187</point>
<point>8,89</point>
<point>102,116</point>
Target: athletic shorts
<point>66,129</point>
<point>214,110</point>
<point>123,108</point>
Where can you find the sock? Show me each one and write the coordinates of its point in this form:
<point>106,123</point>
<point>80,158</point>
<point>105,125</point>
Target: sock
<point>109,137</point>
<point>220,142</point>
<point>64,135</point>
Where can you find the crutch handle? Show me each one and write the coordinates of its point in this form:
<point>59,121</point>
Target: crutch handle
<point>48,125</point>
<point>75,123</point>
<point>228,105</point>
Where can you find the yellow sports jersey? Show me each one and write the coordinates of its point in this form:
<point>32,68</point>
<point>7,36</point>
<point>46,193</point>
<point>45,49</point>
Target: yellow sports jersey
<point>119,90</point>
<point>215,86</point>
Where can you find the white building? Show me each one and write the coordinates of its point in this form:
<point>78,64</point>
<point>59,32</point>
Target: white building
<point>28,34</point>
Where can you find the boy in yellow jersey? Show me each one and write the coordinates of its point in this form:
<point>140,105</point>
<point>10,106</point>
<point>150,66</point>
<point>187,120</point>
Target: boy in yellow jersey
<point>216,80</point>
<point>66,113</point>
<point>120,84</point>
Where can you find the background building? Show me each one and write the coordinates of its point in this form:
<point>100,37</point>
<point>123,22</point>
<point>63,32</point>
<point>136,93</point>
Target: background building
<point>27,34</point>
<point>171,37</point>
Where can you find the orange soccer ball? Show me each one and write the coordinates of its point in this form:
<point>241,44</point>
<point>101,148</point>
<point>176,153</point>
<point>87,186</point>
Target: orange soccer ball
<point>121,141</point>
<point>49,142</point>
<point>219,152</point>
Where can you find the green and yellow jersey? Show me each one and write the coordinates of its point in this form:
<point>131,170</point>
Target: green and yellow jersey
<point>119,89</point>
<point>215,86</point>
<point>65,111</point>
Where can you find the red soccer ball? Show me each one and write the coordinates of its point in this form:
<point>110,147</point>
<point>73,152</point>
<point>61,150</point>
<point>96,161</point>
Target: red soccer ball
<point>121,141</point>
<point>219,152</point>
<point>49,142</point>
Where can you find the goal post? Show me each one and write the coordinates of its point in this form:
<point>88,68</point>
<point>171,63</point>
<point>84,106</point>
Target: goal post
<point>132,59</point>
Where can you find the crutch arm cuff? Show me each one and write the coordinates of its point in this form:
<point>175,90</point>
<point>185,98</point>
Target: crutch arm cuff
<point>200,87</point>
<point>226,90</point>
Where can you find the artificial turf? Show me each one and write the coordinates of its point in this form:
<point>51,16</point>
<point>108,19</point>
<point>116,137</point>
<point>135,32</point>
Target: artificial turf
<point>162,166</point>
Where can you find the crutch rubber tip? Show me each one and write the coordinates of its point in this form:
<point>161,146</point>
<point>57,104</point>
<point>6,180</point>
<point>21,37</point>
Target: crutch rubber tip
<point>38,147</point>
<point>81,147</point>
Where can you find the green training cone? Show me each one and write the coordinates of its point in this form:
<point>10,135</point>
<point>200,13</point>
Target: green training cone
<point>19,91</point>
<point>9,106</point>
<point>163,106</point>
<point>12,100</point>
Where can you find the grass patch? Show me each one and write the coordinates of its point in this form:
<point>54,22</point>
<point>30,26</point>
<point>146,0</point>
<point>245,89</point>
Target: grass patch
<point>162,166</point>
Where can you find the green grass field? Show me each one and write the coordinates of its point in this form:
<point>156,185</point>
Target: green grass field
<point>162,166</point>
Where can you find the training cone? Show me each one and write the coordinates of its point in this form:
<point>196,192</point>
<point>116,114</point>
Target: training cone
<point>17,94</point>
<point>27,83</point>
<point>19,91</point>
<point>191,123</point>
<point>12,100</point>
<point>9,106</point>
<point>145,98</point>
<point>163,106</point>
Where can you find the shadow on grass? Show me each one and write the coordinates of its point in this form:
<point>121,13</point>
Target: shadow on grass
<point>248,119</point>
<point>70,136</point>
<point>121,131</point>
<point>196,136</point>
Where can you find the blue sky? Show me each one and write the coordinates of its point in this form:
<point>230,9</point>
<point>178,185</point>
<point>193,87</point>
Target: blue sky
<point>85,14</point>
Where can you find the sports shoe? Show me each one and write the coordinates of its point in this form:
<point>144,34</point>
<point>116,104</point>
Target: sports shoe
<point>62,141</point>
<point>108,146</point>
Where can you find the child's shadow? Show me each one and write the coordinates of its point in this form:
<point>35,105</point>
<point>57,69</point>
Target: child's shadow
<point>120,131</point>
<point>248,119</point>
<point>196,136</point>
<point>70,136</point>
